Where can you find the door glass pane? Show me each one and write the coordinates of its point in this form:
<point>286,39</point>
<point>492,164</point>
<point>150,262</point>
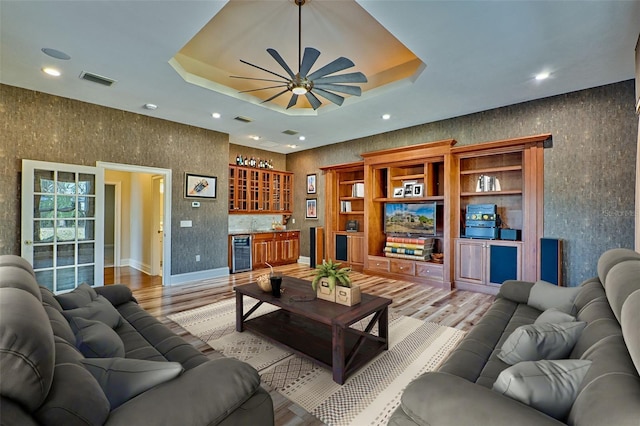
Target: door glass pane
<point>43,181</point>
<point>66,183</point>
<point>66,278</point>
<point>42,231</point>
<point>85,275</point>
<point>65,230</point>
<point>45,278</point>
<point>86,206</point>
<point>85,253</point>
<point>86,184</point>
<point>66,254</point>
<point>42,257</point>
<point>42,206</point>
<point>66,206</point>
<point>86,230</point>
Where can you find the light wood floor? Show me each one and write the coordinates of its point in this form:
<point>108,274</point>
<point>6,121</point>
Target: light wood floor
<point>458,309</point>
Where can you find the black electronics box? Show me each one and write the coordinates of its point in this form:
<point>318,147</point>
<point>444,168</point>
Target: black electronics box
<point>484,233</point>
<point>510,234</point>
<point>352,226</point>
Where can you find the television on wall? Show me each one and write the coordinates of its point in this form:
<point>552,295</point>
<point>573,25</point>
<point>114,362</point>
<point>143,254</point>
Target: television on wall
<point>410,218</point>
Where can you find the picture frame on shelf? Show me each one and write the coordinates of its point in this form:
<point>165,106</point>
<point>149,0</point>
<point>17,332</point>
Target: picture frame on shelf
<point>200,186</point>
<point>408,188</point>
<point>311,211</point>
<point>398,192</point>
<point>312,183</point>
<point>418,190</point>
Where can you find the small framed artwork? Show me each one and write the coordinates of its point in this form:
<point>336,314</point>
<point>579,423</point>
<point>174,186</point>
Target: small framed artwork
<point>200,186</point>
<point>312,208</point>
<point>398,192</point>
<point>408,188</point>
<point>311,184</point>
<point>418,190</point>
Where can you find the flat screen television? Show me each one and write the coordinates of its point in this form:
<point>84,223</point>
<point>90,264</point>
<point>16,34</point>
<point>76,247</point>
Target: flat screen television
<point>410,218</point>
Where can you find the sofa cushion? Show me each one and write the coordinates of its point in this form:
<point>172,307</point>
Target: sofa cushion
<point>26,348</point>
<point>550,386</point>
<point>59,324</point>
<point>622,280</point>
<point>545,295</point>
<point>540,341</point>
<point>631,325</point>
<point>18,277</point>
<point>554,315</point>
<point>96,339</point>
<point>611,258</point>
<point>49,298</point>
<point>98,310</point>
<point>78,297</point>
<point>122,379</point>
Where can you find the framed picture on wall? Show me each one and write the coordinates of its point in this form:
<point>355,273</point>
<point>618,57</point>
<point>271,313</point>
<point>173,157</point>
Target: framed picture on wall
<point>312,208</point>
<point>311,184</point>
<point>200,186</point>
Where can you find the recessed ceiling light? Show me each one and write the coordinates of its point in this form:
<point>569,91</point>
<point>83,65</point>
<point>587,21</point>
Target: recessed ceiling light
<point>51,71</point>
<point>55,53</point>
<point>292,146</point>
<point>542,76</point>
<point>255,138</point>
<point>150,106</point>
<point>216,115</point>
<point>386,116</point>
<point>301,138</point>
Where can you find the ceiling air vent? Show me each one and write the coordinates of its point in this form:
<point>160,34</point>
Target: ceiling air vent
<point>243,119</point>
<point>290,132</point>
<point>95,78</point>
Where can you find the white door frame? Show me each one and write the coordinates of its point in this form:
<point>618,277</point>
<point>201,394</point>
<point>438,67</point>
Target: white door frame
<point>166,241</point>
<point>155,256</point>
<point>117,225</point>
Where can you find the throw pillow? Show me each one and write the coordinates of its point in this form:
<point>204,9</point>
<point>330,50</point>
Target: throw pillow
<point>99,309</point>
<point>544,295</point>
<point>554,315</point>
<point>550,386</point>
<point>540,341</point>
<point>79,297</point>
<point>122,378</point>
<point>95,339</point>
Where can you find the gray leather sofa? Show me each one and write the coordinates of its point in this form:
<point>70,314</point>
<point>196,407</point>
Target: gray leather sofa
<point>94,357</point>
<point>462,391</point>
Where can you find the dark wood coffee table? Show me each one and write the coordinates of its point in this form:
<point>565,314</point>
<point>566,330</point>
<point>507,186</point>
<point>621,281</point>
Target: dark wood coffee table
<point>315,328</point>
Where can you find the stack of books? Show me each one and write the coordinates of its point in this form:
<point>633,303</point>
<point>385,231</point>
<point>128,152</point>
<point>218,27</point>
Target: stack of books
<point>409,248</point>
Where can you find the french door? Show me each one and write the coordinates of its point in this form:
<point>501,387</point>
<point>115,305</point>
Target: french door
<point>63,223</point>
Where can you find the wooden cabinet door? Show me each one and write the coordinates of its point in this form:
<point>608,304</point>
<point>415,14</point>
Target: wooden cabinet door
<point>260,253</point>
<point>238,189</point>
<point>355,249</point>
<point>470,261</point>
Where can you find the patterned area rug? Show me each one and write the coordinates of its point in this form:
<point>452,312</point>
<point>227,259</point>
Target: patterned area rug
<point>368,397</point>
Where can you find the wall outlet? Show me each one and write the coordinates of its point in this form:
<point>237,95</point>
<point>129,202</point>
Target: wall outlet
<point>197,258</point>
<point>293,221</point>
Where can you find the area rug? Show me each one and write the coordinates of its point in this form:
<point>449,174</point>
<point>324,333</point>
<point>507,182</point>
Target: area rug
<point>368,397</point>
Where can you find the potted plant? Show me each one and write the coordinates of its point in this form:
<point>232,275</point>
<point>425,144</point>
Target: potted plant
<point>330,275</point>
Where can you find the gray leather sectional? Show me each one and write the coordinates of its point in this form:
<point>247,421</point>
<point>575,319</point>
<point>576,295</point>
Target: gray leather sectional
<point>595,383</point>
<point>94,357</point>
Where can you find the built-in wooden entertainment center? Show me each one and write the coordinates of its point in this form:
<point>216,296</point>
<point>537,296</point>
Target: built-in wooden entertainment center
<point>448,176</point>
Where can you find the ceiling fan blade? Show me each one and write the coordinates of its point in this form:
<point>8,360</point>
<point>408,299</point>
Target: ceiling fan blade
<point>292,101</point>
<point>336,99</point>
<point>275,96</point>
<point>339,64</point>
<point>263,88</point>
<point>281,61</point>
<point>353,77</point>
<point>310,57</point>
<point>315,102</point>
<point>258,79</point>
<point>264,69</point>
<point>350,90</point>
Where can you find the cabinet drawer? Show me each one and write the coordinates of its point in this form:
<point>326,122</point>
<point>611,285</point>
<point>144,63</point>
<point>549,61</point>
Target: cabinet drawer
<point>430,270</point>
<point>379,264</point>
<point>405,267</point>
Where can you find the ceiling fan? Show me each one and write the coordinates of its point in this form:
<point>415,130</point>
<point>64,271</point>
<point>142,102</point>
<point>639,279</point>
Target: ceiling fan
<point>319,82</point>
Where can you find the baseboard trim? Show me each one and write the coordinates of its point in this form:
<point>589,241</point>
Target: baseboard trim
<point>142,267</point>
<point>306,260</point>
<point>190,277</point>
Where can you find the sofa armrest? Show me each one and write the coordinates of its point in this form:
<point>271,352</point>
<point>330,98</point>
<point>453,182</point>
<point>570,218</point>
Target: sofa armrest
<point>444,399</point>
<point>117,294</point>
<point>204,395</point>
<point>515,290</point>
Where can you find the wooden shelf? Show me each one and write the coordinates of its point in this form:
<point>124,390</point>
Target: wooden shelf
<point>408,177</point>
<point>491,170</point>
<point>491,193</point>
<point>351,198</point>
<point>355,212</point>
<point>409,199</point>
<point>350,182</point>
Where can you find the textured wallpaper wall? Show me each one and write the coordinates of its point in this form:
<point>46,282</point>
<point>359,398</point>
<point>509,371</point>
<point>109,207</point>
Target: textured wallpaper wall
<point>42,127</point>
<point>589,172</point>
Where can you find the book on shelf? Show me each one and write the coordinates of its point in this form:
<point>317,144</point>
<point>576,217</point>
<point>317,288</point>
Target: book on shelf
<point>345,206</point>
<point>357,190</point>
<point>488,184</point>
<point>405,245</point>
<point>406,256</point>
<point>403,250</point>
<point>410,240</point>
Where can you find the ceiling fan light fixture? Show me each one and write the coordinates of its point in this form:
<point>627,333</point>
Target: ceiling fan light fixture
<point>299,90</point>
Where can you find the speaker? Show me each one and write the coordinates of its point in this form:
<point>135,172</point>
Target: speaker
<point>551,260</point>
<point>484,233</point>
<point>510,234</point>
<point>316,246</point>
